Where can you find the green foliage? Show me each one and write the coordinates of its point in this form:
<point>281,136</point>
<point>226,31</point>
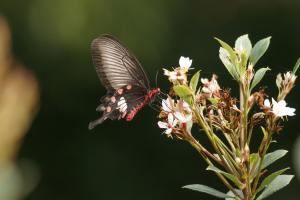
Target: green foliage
<point>194,81</point>
<point>184,92</point>
<point>207,190</point>
<point>243,45</point>
<point>254,163</point>
<point>259,50</point>
<point>278,183</point>
<point>231,177</point>
<point>270,178</point>
<point>259,76</point>
<point>296,67</point>
<point>224,56</point>
<point>272,157</point>
<point>230,193</point>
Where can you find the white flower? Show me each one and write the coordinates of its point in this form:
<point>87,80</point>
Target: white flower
<point>267,103</point>
<point>183,119</point>
<point>167,104</point>
<point>185,63</point>
<point>177,75</point>
<point>211,87</point>
<point>168,125</point>
<point>279,108</point>
<point>171,74</point>
<point>184,106</point>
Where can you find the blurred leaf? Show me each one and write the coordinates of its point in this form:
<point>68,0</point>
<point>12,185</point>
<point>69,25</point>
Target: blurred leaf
<point>184,92</point>
<point>259,49</point>
<point>10,183</point>
<point>272,157</point>
<point>258,76</point>
<point>296,66</point>
<point>224,56</point>
<point>270,178</point>
<point>278,183</point>
<point>243,45</point>
<point>207,190</point>
<point>194,81</point>
<point>227,175</point>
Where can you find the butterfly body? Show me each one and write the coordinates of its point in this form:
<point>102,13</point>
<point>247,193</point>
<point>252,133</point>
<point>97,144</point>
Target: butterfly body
<point>127,85</point>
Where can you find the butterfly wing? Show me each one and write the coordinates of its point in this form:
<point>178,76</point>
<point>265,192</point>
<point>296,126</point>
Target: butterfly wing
<point>122,75</point>
<point>119,104</point>
<point>115,65</point>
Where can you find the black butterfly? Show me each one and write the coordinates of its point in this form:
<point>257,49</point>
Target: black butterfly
<point>127,85</point>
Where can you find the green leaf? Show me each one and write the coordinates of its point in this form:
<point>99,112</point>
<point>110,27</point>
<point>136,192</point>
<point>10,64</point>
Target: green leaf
<point>243,45</point>
<point>272,157</point>
<point>230,193</point>
<point>231,177</point>
<point>254,163</point>
<point>184,92</point>
<point>207,190</point>
<point>278,183</point>
<point>232,54</point>
<point>259,50</point>
<point>296,66</point>
<point>231,68</point>
<point>270,178</point>
<point>194,81</point>
<point>259,76</point>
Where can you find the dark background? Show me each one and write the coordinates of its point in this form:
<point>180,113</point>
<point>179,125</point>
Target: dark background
<point>120,160</point>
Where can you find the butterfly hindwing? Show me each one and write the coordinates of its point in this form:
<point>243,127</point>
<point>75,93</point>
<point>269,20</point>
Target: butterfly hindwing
<point>119,104</point>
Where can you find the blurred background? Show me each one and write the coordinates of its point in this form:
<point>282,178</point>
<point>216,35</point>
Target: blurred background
<point>120,160</point>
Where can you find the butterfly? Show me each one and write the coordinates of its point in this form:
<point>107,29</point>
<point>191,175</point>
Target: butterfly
<point>127,85</point>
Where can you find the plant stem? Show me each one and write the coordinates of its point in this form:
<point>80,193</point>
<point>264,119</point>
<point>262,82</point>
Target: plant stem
<point>199,148</point>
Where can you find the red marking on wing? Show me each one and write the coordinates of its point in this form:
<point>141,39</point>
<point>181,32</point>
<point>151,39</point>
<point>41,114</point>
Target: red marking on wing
<point>137,108</point>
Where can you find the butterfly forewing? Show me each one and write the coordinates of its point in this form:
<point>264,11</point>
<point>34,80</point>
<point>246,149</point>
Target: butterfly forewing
<point>115,65</point>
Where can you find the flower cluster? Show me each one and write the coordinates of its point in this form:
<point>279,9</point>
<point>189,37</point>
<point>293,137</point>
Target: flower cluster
<point>178,75</point>
<point>176,117</point>
<point>229,122</point>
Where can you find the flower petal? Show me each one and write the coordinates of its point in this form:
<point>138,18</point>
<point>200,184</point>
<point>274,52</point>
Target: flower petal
<point>170,118</point>
<point>267,103</point>
<point>162,124</point>
<point>168,131</point>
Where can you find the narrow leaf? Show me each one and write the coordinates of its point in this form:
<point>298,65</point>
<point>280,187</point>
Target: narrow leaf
<point>296,67</point>
<point>254,163</point>
<point>259,50</point>
<point>225,58</point>
<point>230,193</point>
<point>270,178</point>
<point>278,183</point>
<point>272,157</point>
<point>258,76</point>
<point>243,45</point>
<point>194,81</point>
<point>227,175</point>
<point>232,54</point>
<point>207,190</point>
